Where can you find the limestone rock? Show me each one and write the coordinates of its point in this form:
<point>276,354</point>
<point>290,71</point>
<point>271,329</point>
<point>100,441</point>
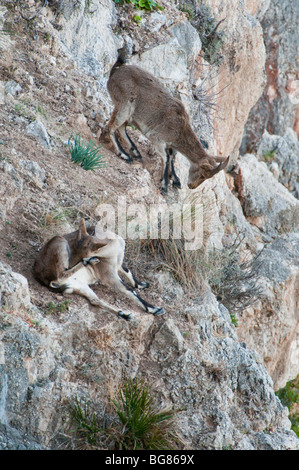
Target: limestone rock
<point>265,202</point>
<point>283,154</point>
<point>271,325</point>
<point>192,356</point>
<point>278,107</point>
<point>241,75</point>
<point>12,87</point>
<point>33,171</point>
<point>167,342</point>
<point>12,439</point>
<point>14,290</point>
<point>87,36</point>
<point>38,130</point>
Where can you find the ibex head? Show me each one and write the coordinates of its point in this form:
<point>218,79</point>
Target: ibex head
<point>86,245</point>
<point>205,170</point>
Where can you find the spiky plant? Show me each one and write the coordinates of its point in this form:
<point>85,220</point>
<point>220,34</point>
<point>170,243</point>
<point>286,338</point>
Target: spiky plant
<point>85,155</point>
<point>87,422</point>
<point>143,425</point>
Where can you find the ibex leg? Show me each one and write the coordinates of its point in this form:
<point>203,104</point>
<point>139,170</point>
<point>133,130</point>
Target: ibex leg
<point>117,284</point>
<point>132,280</point>
<point>134,152</point>
<point>118,119</point>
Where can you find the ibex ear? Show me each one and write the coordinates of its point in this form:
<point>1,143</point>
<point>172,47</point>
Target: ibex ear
<point>221,159</point>
<point>100,244</point>
<point>82,229</point>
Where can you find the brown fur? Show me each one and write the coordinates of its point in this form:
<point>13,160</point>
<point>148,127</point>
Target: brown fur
<point>73,262</point>
<point>140,99</point>
<point>63,252</point>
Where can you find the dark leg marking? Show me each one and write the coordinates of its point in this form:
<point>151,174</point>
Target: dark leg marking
<point>127,158</point>
<point>125,316</point>
<point>166,175</point>
<point>137,284</point>
<point>176,180</point>
<point>134,149</point>
<point>147,306</point>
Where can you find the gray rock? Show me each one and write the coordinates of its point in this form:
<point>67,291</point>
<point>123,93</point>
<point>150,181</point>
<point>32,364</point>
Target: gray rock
<point>220,385</point>
<point>33,171</point>
<point>267,203</point>
<point>12,87</point>
<point>284,154</point>
<point>14,290</point>
<point>167,342</point>
<point>12,439</point>
<point>271,325</point>
<point>276,110</point>
<point>38,130</point>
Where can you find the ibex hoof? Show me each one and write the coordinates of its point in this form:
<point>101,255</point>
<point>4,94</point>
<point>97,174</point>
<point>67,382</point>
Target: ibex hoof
<point>125,157</point>
<point>125,316</point>
<point>93,260</point>
<point>143,285</point>
<point>54,285</point>
<point>136,154</point>
<point>158,311</point>
<point>177,184</point>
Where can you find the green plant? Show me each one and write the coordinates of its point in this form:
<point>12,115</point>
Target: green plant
<point>289,397</point>
<point>58,308</point>
<point>187,8</point>
<point>234,319</point>
<point>139,424</point>
<point>137,19</point>
<point>269,154</point>
<point>212,39</point>
<point>85,155</point>
<point>87,422</point>
<point>149,5</point>
<point>289,394</point>
<point>143,425</point>
<point>234,282</point>
<point>58,215</point>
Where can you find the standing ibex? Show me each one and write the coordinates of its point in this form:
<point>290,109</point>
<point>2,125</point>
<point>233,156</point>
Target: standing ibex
<point>140,99</point>
<point>72,262</point>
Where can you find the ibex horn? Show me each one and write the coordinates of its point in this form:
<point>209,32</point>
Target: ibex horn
<point>220,167</point>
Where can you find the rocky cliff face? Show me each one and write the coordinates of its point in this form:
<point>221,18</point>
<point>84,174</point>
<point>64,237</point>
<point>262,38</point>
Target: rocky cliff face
<point>277,108</point>
<point>53,75</point>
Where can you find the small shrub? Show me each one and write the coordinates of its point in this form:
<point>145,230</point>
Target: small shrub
<point>137,19</point>
<point>138,424</point>
<point>87,422</point>
<point>58,216</point>
<point>234,282</point>
<point>234,319</point>
<point>58,308</point>
<point>143,425</point>
<point>212,39</point>
<point>269,155</point>
<point>85,155</point>
<point>148,5</point>
<point>289,397</point>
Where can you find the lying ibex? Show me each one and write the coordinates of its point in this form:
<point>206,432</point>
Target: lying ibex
<point>140,99</point>
<point>72,262</point>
